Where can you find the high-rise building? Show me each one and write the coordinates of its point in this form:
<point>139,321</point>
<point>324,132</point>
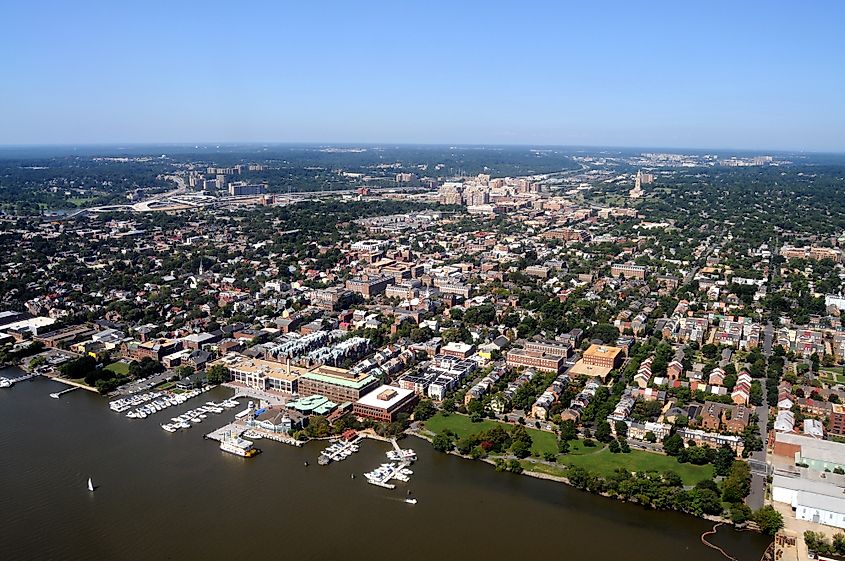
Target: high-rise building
<point>451,193</point>
<point>242,188</point>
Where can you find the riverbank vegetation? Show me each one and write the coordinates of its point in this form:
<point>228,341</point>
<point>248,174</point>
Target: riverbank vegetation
<point>818,542</point>
<point>683,479</point>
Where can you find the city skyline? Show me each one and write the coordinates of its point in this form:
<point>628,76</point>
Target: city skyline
<point>757,77</point>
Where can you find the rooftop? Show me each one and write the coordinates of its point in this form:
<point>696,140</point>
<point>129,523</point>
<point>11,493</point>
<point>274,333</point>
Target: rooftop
<point>385,397</point>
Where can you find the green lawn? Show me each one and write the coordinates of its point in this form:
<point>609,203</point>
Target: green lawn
<point>118,368</point>
<point>462,426</point>
<point>604,463</point>
<point>80,201</point>
<point>833,374</point>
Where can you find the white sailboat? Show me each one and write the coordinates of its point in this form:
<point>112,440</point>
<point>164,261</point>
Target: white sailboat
<point>90,484</point>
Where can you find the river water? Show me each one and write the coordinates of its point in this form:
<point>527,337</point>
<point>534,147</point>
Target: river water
<point>177,496</point>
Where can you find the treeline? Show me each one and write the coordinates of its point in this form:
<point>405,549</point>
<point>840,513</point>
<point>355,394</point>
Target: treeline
<point>496,440</point>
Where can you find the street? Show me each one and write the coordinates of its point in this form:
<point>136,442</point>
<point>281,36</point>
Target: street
<point>757,460</point>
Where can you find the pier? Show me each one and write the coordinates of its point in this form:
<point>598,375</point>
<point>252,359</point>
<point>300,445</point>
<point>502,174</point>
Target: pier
<point>278,437</point>
<point>57,395</point>
<point>340,450</point>
<point>9,382</point>
<point>226,431</point>
<point>382,476</point>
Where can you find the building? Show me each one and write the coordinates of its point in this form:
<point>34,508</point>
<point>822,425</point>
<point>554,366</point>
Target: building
<point>597,361</point>
<point>330,298</point>
<point>603,356</point>
<point>385,403</point>
<point>261,374</point>
<point>628,271</point>
<point>369,287</point>
<point>336,384</point>
<point>458,349</point>
<point>712,439</point>
<point>837,419</point>
<point>553,348</point>
<point>243,189</point>
<point>817,455</point>
<point>451,193</point>
<point>535,359</point>
<point>813,500</point>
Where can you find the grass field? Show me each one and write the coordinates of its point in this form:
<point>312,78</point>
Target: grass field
<point>118,368</point>
<point>462,426</point>
<point>80,201</point>
<point>604,463</point>
<point>835,374</point>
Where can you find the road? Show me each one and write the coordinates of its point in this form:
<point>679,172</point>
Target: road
<point>688,278</point>
<point>757,460</point>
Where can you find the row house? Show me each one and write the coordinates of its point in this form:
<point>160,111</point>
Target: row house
<point>501,401</point>
<point>483,386</point>
<point>714,440</point>
<point>643,375</point>
<point>742,390</point>
<point>540,409</point>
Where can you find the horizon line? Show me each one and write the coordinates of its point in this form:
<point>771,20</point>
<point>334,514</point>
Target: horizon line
<point>212,144</point>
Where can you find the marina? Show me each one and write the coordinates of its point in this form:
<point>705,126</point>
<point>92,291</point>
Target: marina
<point>397,470</point>
<point>9,382</point>
<point>199,482</point>
<point>339,450</point>
<point>195,416</point>
<point>149,403</point>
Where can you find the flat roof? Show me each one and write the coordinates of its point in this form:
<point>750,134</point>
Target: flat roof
<point>257,366</point>
<point>602,350</point>
<point>815,449</point>
<point>396,396</point>
<point>339,381</point>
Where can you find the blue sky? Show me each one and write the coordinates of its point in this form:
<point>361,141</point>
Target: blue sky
<point>715,74</point>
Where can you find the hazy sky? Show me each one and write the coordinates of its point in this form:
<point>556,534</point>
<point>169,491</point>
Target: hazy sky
<point>708,74</point>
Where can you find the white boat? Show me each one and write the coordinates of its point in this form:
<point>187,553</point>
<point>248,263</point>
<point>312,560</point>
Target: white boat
<point>411,501</point>
<point>239,447</point>
<point>90,484</point>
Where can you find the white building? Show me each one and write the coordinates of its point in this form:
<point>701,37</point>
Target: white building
<point>814,501</point>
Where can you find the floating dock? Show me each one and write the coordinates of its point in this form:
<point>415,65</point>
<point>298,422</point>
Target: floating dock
<point>57,395</point>
<point>226,431</point>
<point>339,450</point>
<point>278,437</point>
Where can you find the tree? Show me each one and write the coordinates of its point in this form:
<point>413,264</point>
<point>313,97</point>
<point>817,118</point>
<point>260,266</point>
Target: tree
<point>650,437</point>
<point>567,430</point>
<point>520,449</point>
<point>217,374</point>
<point>78,368</point>
<point>621,429</point>
<point>424,410</point>
<point>603,432</point>
<point>768,519</point>
<point>606,332</point>
<point>723,461</point>
<point>673,445</point>
<point>443,443</point>
<point>740,513</point>
<point>465,444</point>
<point>614,447</point>
<point>737,484</point>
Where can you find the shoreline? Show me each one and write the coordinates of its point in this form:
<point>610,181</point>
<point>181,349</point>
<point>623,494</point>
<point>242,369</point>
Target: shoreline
<point>565,481</point>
